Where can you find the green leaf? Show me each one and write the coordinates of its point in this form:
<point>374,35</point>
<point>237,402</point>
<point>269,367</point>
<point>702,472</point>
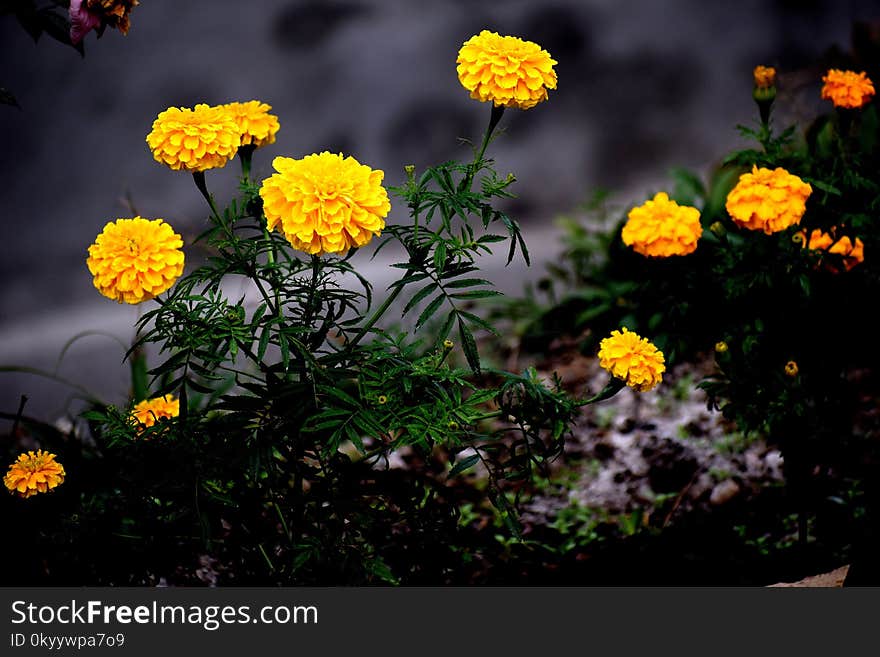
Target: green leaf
<point>469,345</point>
<point>467,282</point>
<point>476,294</point>
<point>464,464</point>
<point>418,296</point>
<point>429,311</point>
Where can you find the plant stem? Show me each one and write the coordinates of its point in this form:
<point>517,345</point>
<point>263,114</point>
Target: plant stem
<point>494,118</point>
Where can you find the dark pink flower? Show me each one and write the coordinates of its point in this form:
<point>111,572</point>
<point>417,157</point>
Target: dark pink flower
<point>82,21</point>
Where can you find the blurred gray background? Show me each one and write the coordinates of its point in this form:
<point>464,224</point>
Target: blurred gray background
<point>643,86</point>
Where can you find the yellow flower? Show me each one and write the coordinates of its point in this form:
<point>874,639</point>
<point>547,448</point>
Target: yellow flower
<point>847,89</point>
<point>194,139</point>
<point>765,77</point>
<point>150,411</point>
<point>791,368</point>
<point>382,400</point>
<point>133,260</point>
<point>255,125</point>
<point>768,200</point>
<point>661,228</point>
<point>448,344</point>
<point>505,70</point>
<point>34,472</point>
<point>853,252</point>
<point>324,203</point>
<point>721,347</point>
<point>632,359</point>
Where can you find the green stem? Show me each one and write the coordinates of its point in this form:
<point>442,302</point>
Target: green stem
<point>377,314</point>
<point>244,155</point>
<point>199,178</point>
<point>494,118</point>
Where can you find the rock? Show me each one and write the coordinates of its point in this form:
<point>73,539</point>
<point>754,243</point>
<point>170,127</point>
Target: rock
<point>834,579</point>
<point>723,492</point>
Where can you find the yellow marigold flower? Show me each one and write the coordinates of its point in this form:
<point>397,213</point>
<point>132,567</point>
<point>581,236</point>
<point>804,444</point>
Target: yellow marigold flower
<point>721,347</point>
<point>765,76</point>
<point>505,70</point>
<point>847,89</point>
<point>133,260</point>
<point>198,139</point>
<point>853,252</point>
<point>632,359</point>
<point>34,472</point>
<point>661,227</point>
<point>325,203</point>
<point>768,200</point>
<point>150,411</point>
<point>255,125</point>
<point>791,368</point>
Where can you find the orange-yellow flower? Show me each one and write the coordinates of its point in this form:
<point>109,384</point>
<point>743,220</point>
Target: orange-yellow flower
<point>505,70</point>
<point>852,252</point>
<point>791,368</point>
<point>325,203</point>
<point>255,125</point>
<point>765,77</point>
<point>768,200</point>
<point>34,472</point>
<point>847,89</point>
<point>661,228</point>
<point>633,359</point>
<point>150,411</point>
<point>133,260</point>
<point>197,139</point>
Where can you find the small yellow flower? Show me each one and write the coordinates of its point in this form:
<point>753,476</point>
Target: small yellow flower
<point>661,228</point>
<point>799,237</point>
<point>382,400</point>
<point>721,347</point>
<point>767,200</point>
<point>133,260</point>
<point>197,139</point>
<point>853,252</point>
<point>791,368</point>
<point>150,411</point>
<point>448,344</point>
<point>632,359</point>
<point>847,89</point>
<point>325,203</point>
<point>255,125</point>
<point>505,70</point>
<point>765,77</point>
<point>453,425</point>
<point>34,472</point>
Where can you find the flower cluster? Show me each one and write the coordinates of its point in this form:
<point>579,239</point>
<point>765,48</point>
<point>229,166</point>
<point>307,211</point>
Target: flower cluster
<point>133,260</point>
<point>661,228</point>
<point>88,15</point>
<point>325,203</point>
<point>852,252</point>
<point>198,139</point>
<point>847,89</point>
<point>633,359</point>
<point>34,472</point>
<point>150,411</point>
<point>505,70</point>
<point>768,200</point>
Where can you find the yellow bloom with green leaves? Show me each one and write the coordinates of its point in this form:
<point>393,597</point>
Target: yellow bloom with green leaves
<point>769,200</point>
<point>32,473</point>
<point>505,70</point>
<point>847,89</point>
<point>325,203</point>
<point>662,228</point>
<point>632,359</point>
<point>134,260</point>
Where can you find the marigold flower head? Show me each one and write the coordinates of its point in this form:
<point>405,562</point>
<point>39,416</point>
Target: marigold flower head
<point>853,252</point>
<point>847,89</point>
<point>765,77</point>
<point>791,368</point>
<point>133,260</point>
<point>768,200</point>
<point>255,125</point>
<point>661,228</point>
<point>88,15</point>
<point>150,411</point>
<point>325,203</point>
<point>34,472</point>
<point>197,139</point>
<point>632,359</point>
<point>505,70</point>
